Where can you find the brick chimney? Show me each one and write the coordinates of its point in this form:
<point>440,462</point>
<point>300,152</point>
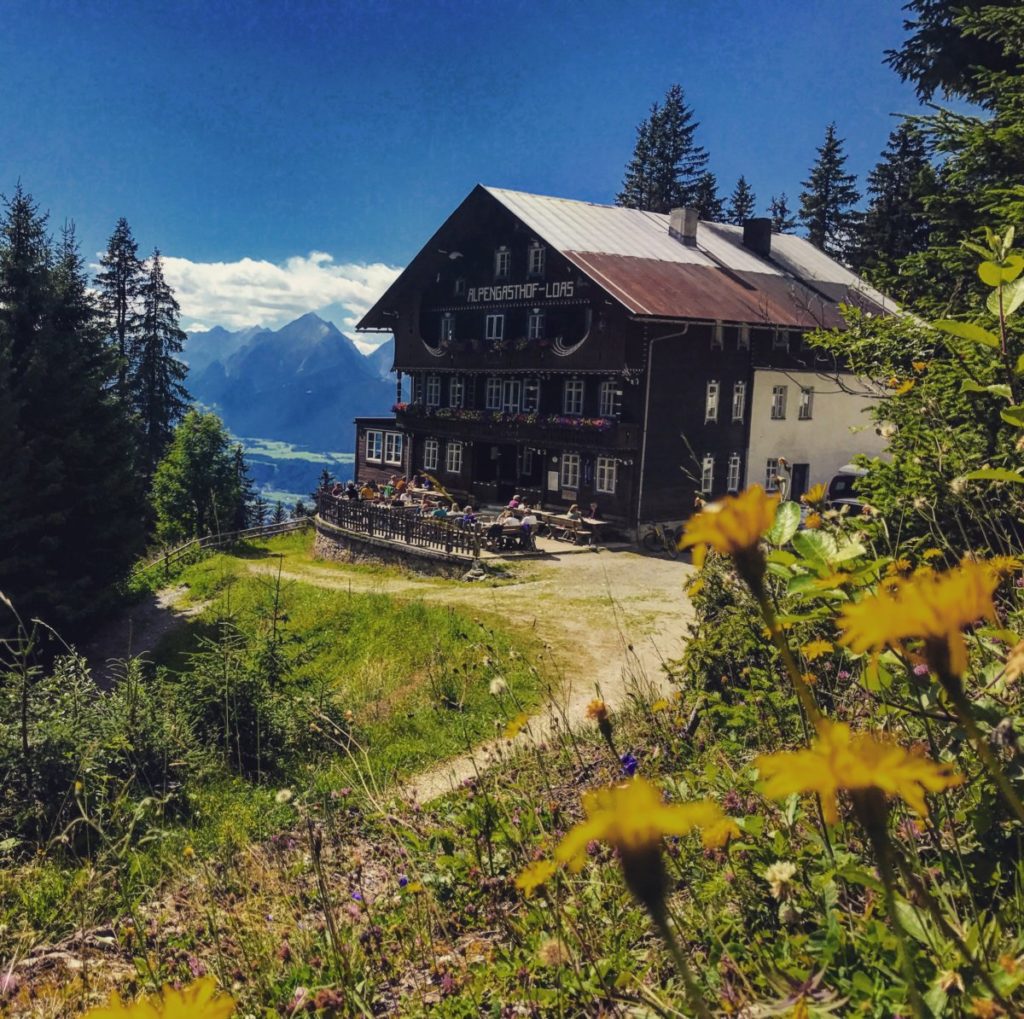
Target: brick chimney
<point>757,235</point>
<point>682,225</point>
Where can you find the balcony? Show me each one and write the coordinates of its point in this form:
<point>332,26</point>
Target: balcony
<point>546,430</point>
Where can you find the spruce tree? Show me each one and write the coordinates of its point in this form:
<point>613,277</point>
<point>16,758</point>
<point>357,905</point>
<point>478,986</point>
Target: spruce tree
<point>120,283</point>
<point>70,503</point>
<point>156,383</point>
<point>667,163</point>
<point>242,516</point>
<point>706,199</point>
<point>783,220</point>
<point>896,224</point>
<point>742,203</point>
<point>280,515</point>
<point>829,192</point>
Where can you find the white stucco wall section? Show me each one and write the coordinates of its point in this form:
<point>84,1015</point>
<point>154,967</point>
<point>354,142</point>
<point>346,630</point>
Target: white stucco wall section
<point>839,428</point>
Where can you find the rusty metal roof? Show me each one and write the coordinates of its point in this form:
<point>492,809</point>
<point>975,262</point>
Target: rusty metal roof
<point>632,255</point>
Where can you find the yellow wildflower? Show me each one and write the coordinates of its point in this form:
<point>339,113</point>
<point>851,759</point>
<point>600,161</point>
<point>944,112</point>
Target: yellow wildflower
<point>1004,565</point>
<point>515,726</point>
<point>732,526</point>
<point>597,710</point>
<point>534,875</point>
<point>838,760</point>
<point>197,1001</point>
<point>809,678</point>
<point>660,705</point>
<point>931,553</point>
<point>919,366</point>
<point>633,818</point>
<point>813,522</point>
<point>815,495</point>
<point>986,1008</point>
<point>933,607</point>
<point>188,852</point>
<point>898,566</point>
<point>817,649</point>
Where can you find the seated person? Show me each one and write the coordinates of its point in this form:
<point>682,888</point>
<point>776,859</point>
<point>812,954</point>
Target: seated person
<point>514,502</point>
<point>439,512</point>
<point>351,492</point>
<point>401,485</point>
<point>417,481</point>
<point>495,530</point>
<point>337,490</point>
<point>427,483</point>
<point>595,512</point>
<point>527,527</point>
<point>388,490</point>
<point>574,512</point>
<point>468,516</point>
<point>368,493</point>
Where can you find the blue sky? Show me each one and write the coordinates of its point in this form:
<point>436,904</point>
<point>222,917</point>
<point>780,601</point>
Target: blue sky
<point>291,152</point>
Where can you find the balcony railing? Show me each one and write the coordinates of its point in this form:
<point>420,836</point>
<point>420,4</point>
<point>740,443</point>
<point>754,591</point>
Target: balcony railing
<point>601,433</point>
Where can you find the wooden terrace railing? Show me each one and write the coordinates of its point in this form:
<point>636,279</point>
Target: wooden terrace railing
<point>399,524</point>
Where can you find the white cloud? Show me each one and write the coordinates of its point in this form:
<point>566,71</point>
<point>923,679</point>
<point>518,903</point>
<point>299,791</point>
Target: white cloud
<point>256,292</point>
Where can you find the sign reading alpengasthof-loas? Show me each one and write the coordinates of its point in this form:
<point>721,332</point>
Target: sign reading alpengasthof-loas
<point>520,292</point>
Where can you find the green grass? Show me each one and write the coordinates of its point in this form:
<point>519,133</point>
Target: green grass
<point>276,450</point>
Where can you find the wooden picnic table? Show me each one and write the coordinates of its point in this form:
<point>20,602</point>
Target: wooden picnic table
<point>576,526</point>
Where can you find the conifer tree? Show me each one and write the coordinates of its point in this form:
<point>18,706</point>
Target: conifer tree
<point>667,163</point>
<point>783,220</point>
<point>259,511</point>
<point>120,283</point>
<point>896,224</point>
<point>280,516</point>
<point>70,505</point>
<point>829,192</point>
<point>742,203</point>
<point>300,510</point>
<point>706,199</point>
<point>156,382</point>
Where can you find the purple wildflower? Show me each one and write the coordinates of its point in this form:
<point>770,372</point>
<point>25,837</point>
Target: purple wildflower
<point>920,669</point>
<point>403,880</point>
<point>842,674</point>
<point>629,763</point>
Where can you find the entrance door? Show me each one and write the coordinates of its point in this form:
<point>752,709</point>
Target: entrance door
<point>801,474</point>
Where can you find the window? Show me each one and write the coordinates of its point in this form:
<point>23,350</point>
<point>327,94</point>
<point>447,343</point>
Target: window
<point>718,337</point>
<point>431,449</point>
<point>779,403</point>
<point>707,474</point>
<point>502,263</point>
<point>393,448</point>
<point>771,474</point>
<point>743,338</point>
<point>739,400</point>
<point>608,399</point>
<point>570,470</point>
<point>456,391</point>
<point>495,329</point>
<point>711,403</point>
<point>460,286</point>
<point>531,395</point>
<point>806,407</point>
<point>535,325</point>
<point>433,391</point>
<point>453,458</point>
<point>511,394</point>
<point>373,445</point>
<point>492,395</point>
<point>536,259</point>
<point>447,327</point>
<point>732,479</point>
<point>780,339</point>
<point>604,475</point>
<point>572,397</point>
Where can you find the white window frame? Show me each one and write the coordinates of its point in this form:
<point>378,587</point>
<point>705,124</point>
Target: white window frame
<point>780,339</point>
<point>374,445</point>
<point>779,395</point>
<point>607,399</point>
<point>494,326</point>
<point>743,338</point>
<point>536,259</point>
<point>718,336</point>
<point>707,474</point>
<point>456,391</point>
<point>771,474</point>
<point>535,325</point>
<point>453,458</point>
<point>511,396</point>
<point>805,409</point>
<point>572,397</point>
<point>492,393</point>
<point>447,327</point>
<point>711,402</point>
<point>605,475</point>
<point>531,395</point>
<point>393,447</point>
<point>569,471</point>
<point>732,477</point>
<point>431,454</point>
<point>739,400</point>
<point>432,391</point>
<point>502,263</point>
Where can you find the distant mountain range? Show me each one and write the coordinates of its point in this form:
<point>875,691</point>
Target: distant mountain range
<point>301,384</point>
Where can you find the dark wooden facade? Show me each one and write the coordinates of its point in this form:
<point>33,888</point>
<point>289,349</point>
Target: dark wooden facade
<point>571,397</point>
